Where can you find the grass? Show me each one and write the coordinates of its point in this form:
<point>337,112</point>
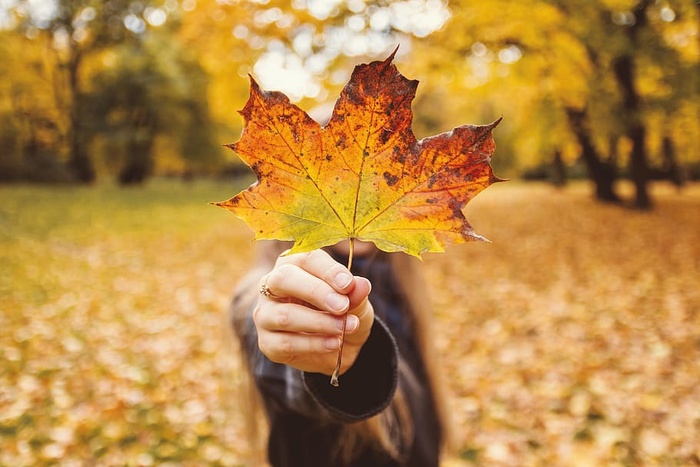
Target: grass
<point>571,339</point>
<point>113,344</point>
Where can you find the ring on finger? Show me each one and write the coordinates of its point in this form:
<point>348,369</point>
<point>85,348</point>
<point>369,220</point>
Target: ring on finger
<point>265,290</point>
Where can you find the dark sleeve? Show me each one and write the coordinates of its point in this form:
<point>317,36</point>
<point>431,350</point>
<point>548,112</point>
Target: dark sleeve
<point>368,386</point>
<point>365,389</point>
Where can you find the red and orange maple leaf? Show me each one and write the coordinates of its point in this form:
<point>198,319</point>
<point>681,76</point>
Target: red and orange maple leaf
<point>363,175</point>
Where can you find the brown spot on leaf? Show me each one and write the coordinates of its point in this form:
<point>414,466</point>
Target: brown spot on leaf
<point>391,180</point>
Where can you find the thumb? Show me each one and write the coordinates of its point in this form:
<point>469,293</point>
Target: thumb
<point>359,292</point>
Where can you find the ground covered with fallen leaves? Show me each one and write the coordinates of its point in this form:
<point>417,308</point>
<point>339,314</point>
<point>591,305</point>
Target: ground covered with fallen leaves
<point>573,339</point>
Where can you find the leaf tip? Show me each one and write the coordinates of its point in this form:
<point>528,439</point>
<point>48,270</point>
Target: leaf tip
<point>391,57</point>
<point>254,86</point>
<point>473,236</point>
<point>496,179</point>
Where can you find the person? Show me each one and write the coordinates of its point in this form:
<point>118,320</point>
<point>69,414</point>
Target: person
<point>389,408</point>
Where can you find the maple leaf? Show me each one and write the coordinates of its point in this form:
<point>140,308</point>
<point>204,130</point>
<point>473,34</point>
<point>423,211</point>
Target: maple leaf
<point>364,175</point>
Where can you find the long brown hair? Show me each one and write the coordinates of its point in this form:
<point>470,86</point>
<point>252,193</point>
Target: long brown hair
<point>375,430</point>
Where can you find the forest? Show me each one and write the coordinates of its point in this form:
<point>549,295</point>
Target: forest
<point>126,90</point>
<point>570,338</point>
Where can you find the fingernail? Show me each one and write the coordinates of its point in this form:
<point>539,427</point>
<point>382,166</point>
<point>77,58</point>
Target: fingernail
<point>331,343</point>
<point>352,324</point>
<point>337,302</point>
<point>342,280</point>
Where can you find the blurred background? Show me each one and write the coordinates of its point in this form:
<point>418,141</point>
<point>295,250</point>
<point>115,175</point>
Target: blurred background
<point>572,339</point>
<point>127,90</point>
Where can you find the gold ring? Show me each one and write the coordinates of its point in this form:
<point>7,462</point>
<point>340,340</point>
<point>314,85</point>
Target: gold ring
<point>265,290</point>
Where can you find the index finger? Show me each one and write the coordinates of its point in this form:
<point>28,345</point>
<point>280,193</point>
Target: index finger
<point>320,264</point>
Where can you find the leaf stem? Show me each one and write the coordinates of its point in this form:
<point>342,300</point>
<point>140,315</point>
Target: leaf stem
<point>336,372</point>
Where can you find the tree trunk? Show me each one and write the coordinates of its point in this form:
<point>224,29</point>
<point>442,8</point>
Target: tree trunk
<point>603,174</point>
<point>558,170</point>
<point>137,169</point>
<point>639,168</point>
<point>671,167</point>
<point>79,163</point>
<point>139,164</point>
<point>635,130</point>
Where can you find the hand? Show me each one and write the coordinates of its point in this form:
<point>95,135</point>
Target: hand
<point>301,320</point>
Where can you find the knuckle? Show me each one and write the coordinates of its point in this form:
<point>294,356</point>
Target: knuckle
<point>276,348</point>
<point>272,348</point>
<point>283,259</point>
<point>277,275</point>
<point>285,350</point>
<point>304,260</point>
<point>313,258</point>
<point>264,347</point>
<point>282,318</point>
<point>282,271</point>
<point>271,277</point>
<point>256,315</point>
<point>286,258</point>
<point>275,279</point>
<point>317,288</point>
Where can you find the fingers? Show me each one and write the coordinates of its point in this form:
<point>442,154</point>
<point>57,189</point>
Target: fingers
<point>292,317</point>
<point>291,349</point>
<point>306,339</point>
<point>304,301</point>
<point>321,265</point>
<point>314,278</point>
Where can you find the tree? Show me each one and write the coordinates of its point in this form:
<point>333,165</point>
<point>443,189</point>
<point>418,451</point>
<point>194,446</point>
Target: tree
<point>607,68</point>
<point>603,172</point>
<point>75,30</point>
<point>151,92</point>
<point>31,129</point>
<point>128,50</point>
<point>634,128</point>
